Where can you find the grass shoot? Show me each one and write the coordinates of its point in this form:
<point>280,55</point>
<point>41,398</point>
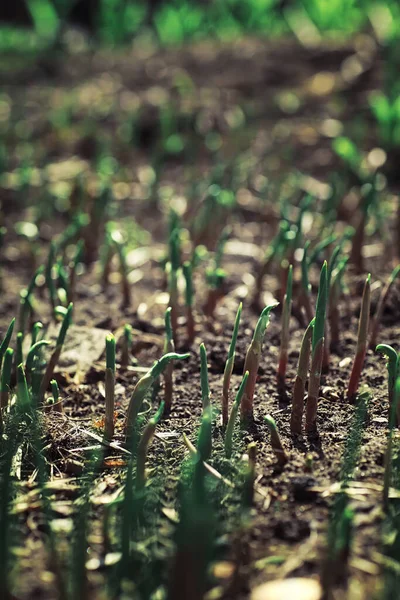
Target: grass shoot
<point>233,415</point>
<point>126,346</point>
<point>109,387</point>
<point>362,341</point>
<point>393,367</point>
<point>276,443</point>
<point>252,362</point>
<point>229,368</point>
<point>300,381</point>
<point>317,352</point>
<point>169,347</point>
<point>286,312</point>
<point>205,387</point>
<point>143,446</point>
<point>190,324</point>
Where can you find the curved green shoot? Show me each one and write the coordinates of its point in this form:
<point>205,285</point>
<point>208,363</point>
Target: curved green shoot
<point>5,377</point>
<point>205,388</point>
<point>23,396</point>
<point>143,447</point>
<point>229,367</point>
<point>6,341</point>
<point>276,443</point>
<point>34,352</point>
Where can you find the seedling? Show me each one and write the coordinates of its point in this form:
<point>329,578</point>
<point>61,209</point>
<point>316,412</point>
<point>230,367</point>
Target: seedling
<point>300,381</point>
<point>305,298</point>
<point>6,342</point>
<point>174,266</point>
<point>389,447</point>
<point>55,392</point>
<point>233,416</point>
<point>110,387</point>
<point>169,347</point>
<point>205,388</point>
<point>376,319</point>
<point>49,275</point>
<point>286,312</point>
<point>143,446</point>
<point>126,346</point>
<point>106,255</point>
<point>276,443</point>
<point>229,368</point>
<point>23,396</point>
<point>6,378</point>
<point>36,328</point>
<point>48,375</point>
<point>187,272</point>
<point>393,367</point>
<point>317,351</point>
<point>204,441</point>
<point>252,362</point>
<point>362,341</point>
<point>142,388</point>
<point>249,475</point>
<point>123,267</point>
<point>19,354</point>
<point>25,306</point>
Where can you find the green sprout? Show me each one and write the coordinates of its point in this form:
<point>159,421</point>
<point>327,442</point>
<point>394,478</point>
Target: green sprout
<point>389,447</point>
<point>6,341</point>
<point>23,396</point>
<point>25,307</point>
<point>376,320</point>
<point>393,367</point>
<point>174,266</point>
<point>36,327</point>
<point>204,442</point>
<point>229,368</point>
<point>233,416</point>
<point>123,265</point>
<point>190,325</point>
<point>142,388</point>
<point>5,378</point>
<point>144,442</point>
<point>362,341</point>
<point>54,358</point>
<point>276,443</point>
<point>317,351</point>
<point>49,275</point>
<point>19,353</point>
<point>126,346</point>
<point>252,362</point>
<point>109,387</point>
<point>55,392</point>
<point>205,388</point>
<point>249,476</point>
<point>300,381</point>
<point>305,298</point>
<point>286,312</point>
<point>169,347</point>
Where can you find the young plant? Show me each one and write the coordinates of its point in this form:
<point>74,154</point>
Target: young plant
<point>110,387</point>
<point>19,353</point>
<point>204,441</point>
<point>123,267</point>
<point>393,367</point>
<point>389,447</point>
<point>6,342</point>
<point>205,388</point>
<point>36,328</point>
<point>142,388</point>
<point>55,392</point>
<point>332,265</point>
<point>49,275</point>
<point>367,200</point>
<point>229,368</point>
<point>286,312</point>
<point>305,297</point>
<point>5,378</point>
<point>233,415</point>
<point>376,319</point>
<point>144,443</point>
<point>362,341</point>
<point>48,375</point>
<point>252,362</point>
<point>126,346</point>
<point>23,396</point>
<point>300,381</point>
<point>249,476</point>
<point>317,351</point>
<point>106,255</point>
<point>25,306</point>
<point>187,273</point>
<point>174,266</point>
<point>169,346</point>
<point>276,443</point>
